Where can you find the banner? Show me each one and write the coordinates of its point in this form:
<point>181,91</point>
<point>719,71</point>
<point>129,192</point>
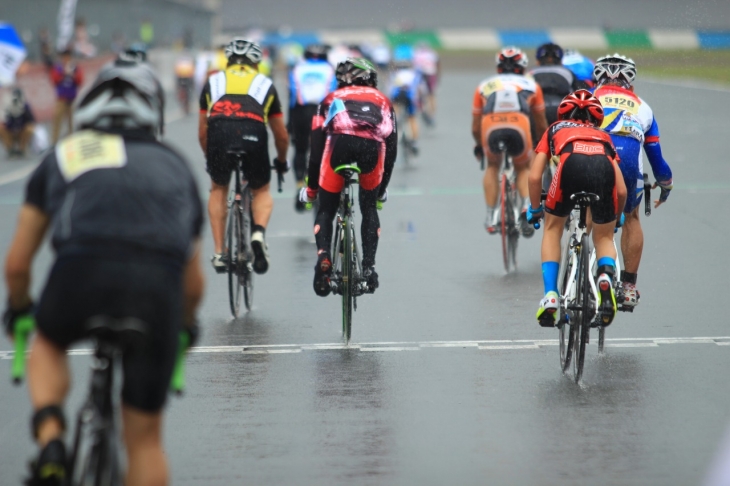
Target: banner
<point>66,21</point>
<point>12,54</point>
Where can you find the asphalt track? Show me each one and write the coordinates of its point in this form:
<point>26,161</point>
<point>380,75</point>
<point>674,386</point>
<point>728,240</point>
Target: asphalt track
<point>449,380</point>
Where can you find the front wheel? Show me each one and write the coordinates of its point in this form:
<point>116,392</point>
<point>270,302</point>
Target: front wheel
<point>235,257</point>
<point>348,279</point>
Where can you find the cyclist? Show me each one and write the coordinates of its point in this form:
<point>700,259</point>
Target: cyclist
<point>631,123</point>
<point>354,123</point>
<point>309,82</point>
<point>185,79</point>
<point>426,61</point>
<point>587,161</point>
<point>126,238</point>
<point>236,104</point>
<point>503,108</point>
<point>556,80</point>
<point>581,66</point>
<point>406,88</point>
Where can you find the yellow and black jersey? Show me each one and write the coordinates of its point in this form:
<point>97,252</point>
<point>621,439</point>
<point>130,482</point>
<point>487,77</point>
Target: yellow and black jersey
<point>240,92</point>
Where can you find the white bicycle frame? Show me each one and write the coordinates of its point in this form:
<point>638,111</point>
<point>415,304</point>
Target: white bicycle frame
<point>575,235</point>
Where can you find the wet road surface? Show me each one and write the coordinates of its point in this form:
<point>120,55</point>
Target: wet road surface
<point>449,380</point>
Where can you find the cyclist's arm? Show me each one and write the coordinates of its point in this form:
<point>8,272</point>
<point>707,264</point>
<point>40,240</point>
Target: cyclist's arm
<point>476,129</point>
<point>204,103</point>
<point>534,180</point>
<point>281,136</point>
<point>659,167</point>
<point>391,153</point>
<point>537,110</point>
<point>193,284</point>
<point>32,225</point>
<point>621,191</point>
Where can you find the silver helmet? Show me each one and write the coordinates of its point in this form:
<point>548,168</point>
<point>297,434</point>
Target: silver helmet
<point>615,68</point>
<point>240,47</point>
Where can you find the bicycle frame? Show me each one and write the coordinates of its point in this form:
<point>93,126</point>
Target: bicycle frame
<point>344,214</point>
<point>575,236</point>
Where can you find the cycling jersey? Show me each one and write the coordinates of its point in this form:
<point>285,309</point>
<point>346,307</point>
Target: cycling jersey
<point>581,66</point>
<point>556,83</point>
<point>358,111</point>
<point>426,61</point>
<point>100,187</point>
<point>67,80</point>
<point>310,81</point>
<point>240,92</point>
<point>506,102</point>
<point>586,161</point>
<point>631,123</point>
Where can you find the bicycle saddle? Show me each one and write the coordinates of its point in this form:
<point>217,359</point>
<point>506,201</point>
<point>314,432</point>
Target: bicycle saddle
<point>125,332</point>
<point>347,171</point>
<point>584,198</point>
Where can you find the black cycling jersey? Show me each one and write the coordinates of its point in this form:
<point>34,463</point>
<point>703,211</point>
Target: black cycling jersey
<point>126,191</point>
<point>554,80</point>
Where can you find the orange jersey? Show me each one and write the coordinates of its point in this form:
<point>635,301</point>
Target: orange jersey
<point>508,93</point>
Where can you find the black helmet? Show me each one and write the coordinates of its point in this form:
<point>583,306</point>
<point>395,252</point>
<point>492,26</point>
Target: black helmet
<point>356,71</point>
<point>316,51</point>
<point>122,97</point>
<point>549,50</point>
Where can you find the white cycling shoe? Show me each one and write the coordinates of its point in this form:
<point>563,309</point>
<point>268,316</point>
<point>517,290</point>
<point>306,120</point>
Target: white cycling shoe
<point>547,313</point>
<point>260,252</point>
<point>629,295</point>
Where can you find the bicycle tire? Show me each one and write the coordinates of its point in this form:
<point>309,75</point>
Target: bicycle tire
<point>503,227</point>
<point>348,282</point>
<point>234,257</point>
<point>566,352</point>
<point>246,275</point>
<point>583,289</point>
<point>514,232</point>
<point>601,338</point>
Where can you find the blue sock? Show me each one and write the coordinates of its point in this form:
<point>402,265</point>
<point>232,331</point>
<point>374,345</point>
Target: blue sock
<point>606,261</point>
<point>550,276</point>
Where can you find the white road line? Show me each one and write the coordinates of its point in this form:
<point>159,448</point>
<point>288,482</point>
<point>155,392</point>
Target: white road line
<point>486,345</point>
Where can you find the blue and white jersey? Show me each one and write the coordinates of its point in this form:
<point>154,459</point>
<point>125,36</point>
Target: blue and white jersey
<point>581,66</point>
<point>409,80</point>
<point>310,82</point>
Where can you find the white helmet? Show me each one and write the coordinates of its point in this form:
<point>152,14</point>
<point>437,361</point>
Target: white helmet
<point>615,67</point>
<point>244,48</point>
<point>123,97</point>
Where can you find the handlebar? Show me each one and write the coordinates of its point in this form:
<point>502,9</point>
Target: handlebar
<point>647,195</point>
<point>543,197</point>
<point>23,328</point>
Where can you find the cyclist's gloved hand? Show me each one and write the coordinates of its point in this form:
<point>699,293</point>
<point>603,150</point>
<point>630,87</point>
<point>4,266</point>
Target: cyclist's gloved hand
<point>479,153</point>
<point>11,316</point>
<point>666,187</point>
<point>307,196</point>
<point>382,198</point>
<point>619,222</point>
<point>281,166</point>
<point>535,215</point>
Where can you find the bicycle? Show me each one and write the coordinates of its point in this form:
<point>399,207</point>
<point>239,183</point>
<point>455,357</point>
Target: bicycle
<point>509,208</point>
<point>347,275</point>
<point>239,256</point>
<point>401,103</point>
<point>94,458</point>
<point>578,293</point>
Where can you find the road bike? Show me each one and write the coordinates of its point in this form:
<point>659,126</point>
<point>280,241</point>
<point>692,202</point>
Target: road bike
<point>239,254</point>
<point>94,458</point>
<point>406,148</point>
<point>508,209</point>
<point>347,275</point>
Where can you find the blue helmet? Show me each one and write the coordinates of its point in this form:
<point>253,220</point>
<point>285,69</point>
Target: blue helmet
<point>403,53</point>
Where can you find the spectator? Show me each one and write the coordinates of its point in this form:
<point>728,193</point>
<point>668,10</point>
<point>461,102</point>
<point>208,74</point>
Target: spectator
<point>67,78</point>
<point>17,128</point>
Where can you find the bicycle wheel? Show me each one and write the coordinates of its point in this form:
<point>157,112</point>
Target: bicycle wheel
<point>235,256</point>
<point>601,338</point>
<point>246,270</point>
<point>348,279</point>
<point>503,224</point>
<point>583,301</point>
<point>565,327</point>
<point>514,232</point>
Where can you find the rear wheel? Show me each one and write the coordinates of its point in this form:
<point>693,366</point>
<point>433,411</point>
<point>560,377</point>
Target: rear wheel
<point>582,291</point>
<point>565,326</point>
<point>235,256</point>
<point>246,270</point>
<point>503,224</point>
<point>348,280</point>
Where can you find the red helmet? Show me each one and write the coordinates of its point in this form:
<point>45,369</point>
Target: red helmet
<point>581,105</point>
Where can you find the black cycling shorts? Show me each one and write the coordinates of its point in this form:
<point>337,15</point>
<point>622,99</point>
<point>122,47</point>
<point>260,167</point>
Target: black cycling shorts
<point>584,173</point>
<point>80,287</point>
<point>247,135</point>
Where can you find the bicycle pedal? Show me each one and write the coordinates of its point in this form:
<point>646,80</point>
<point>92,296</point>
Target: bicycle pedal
<point>546,320</point>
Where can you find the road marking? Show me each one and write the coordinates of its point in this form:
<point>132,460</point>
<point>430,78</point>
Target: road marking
<point>484,345</point>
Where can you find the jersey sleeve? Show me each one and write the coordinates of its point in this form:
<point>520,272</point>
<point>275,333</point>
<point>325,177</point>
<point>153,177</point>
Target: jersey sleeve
<point>537,100</point>
<point>272,105</point>
<point>35,191</point>
<point>543,147</point>
<point>659,167</point>
<point>478,102</point>
<point>205,97</point>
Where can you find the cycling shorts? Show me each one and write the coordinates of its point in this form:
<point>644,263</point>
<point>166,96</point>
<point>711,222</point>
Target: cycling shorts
<point>584,173</point>
<point>367,154</point>
<point>403,97</point>
<point>514,129</point>
<point>247,135</point>
<point>136,284</point>
<point>632,168</point>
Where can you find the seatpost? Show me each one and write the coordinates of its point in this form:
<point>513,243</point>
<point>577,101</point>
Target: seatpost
<point>583,211</point>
